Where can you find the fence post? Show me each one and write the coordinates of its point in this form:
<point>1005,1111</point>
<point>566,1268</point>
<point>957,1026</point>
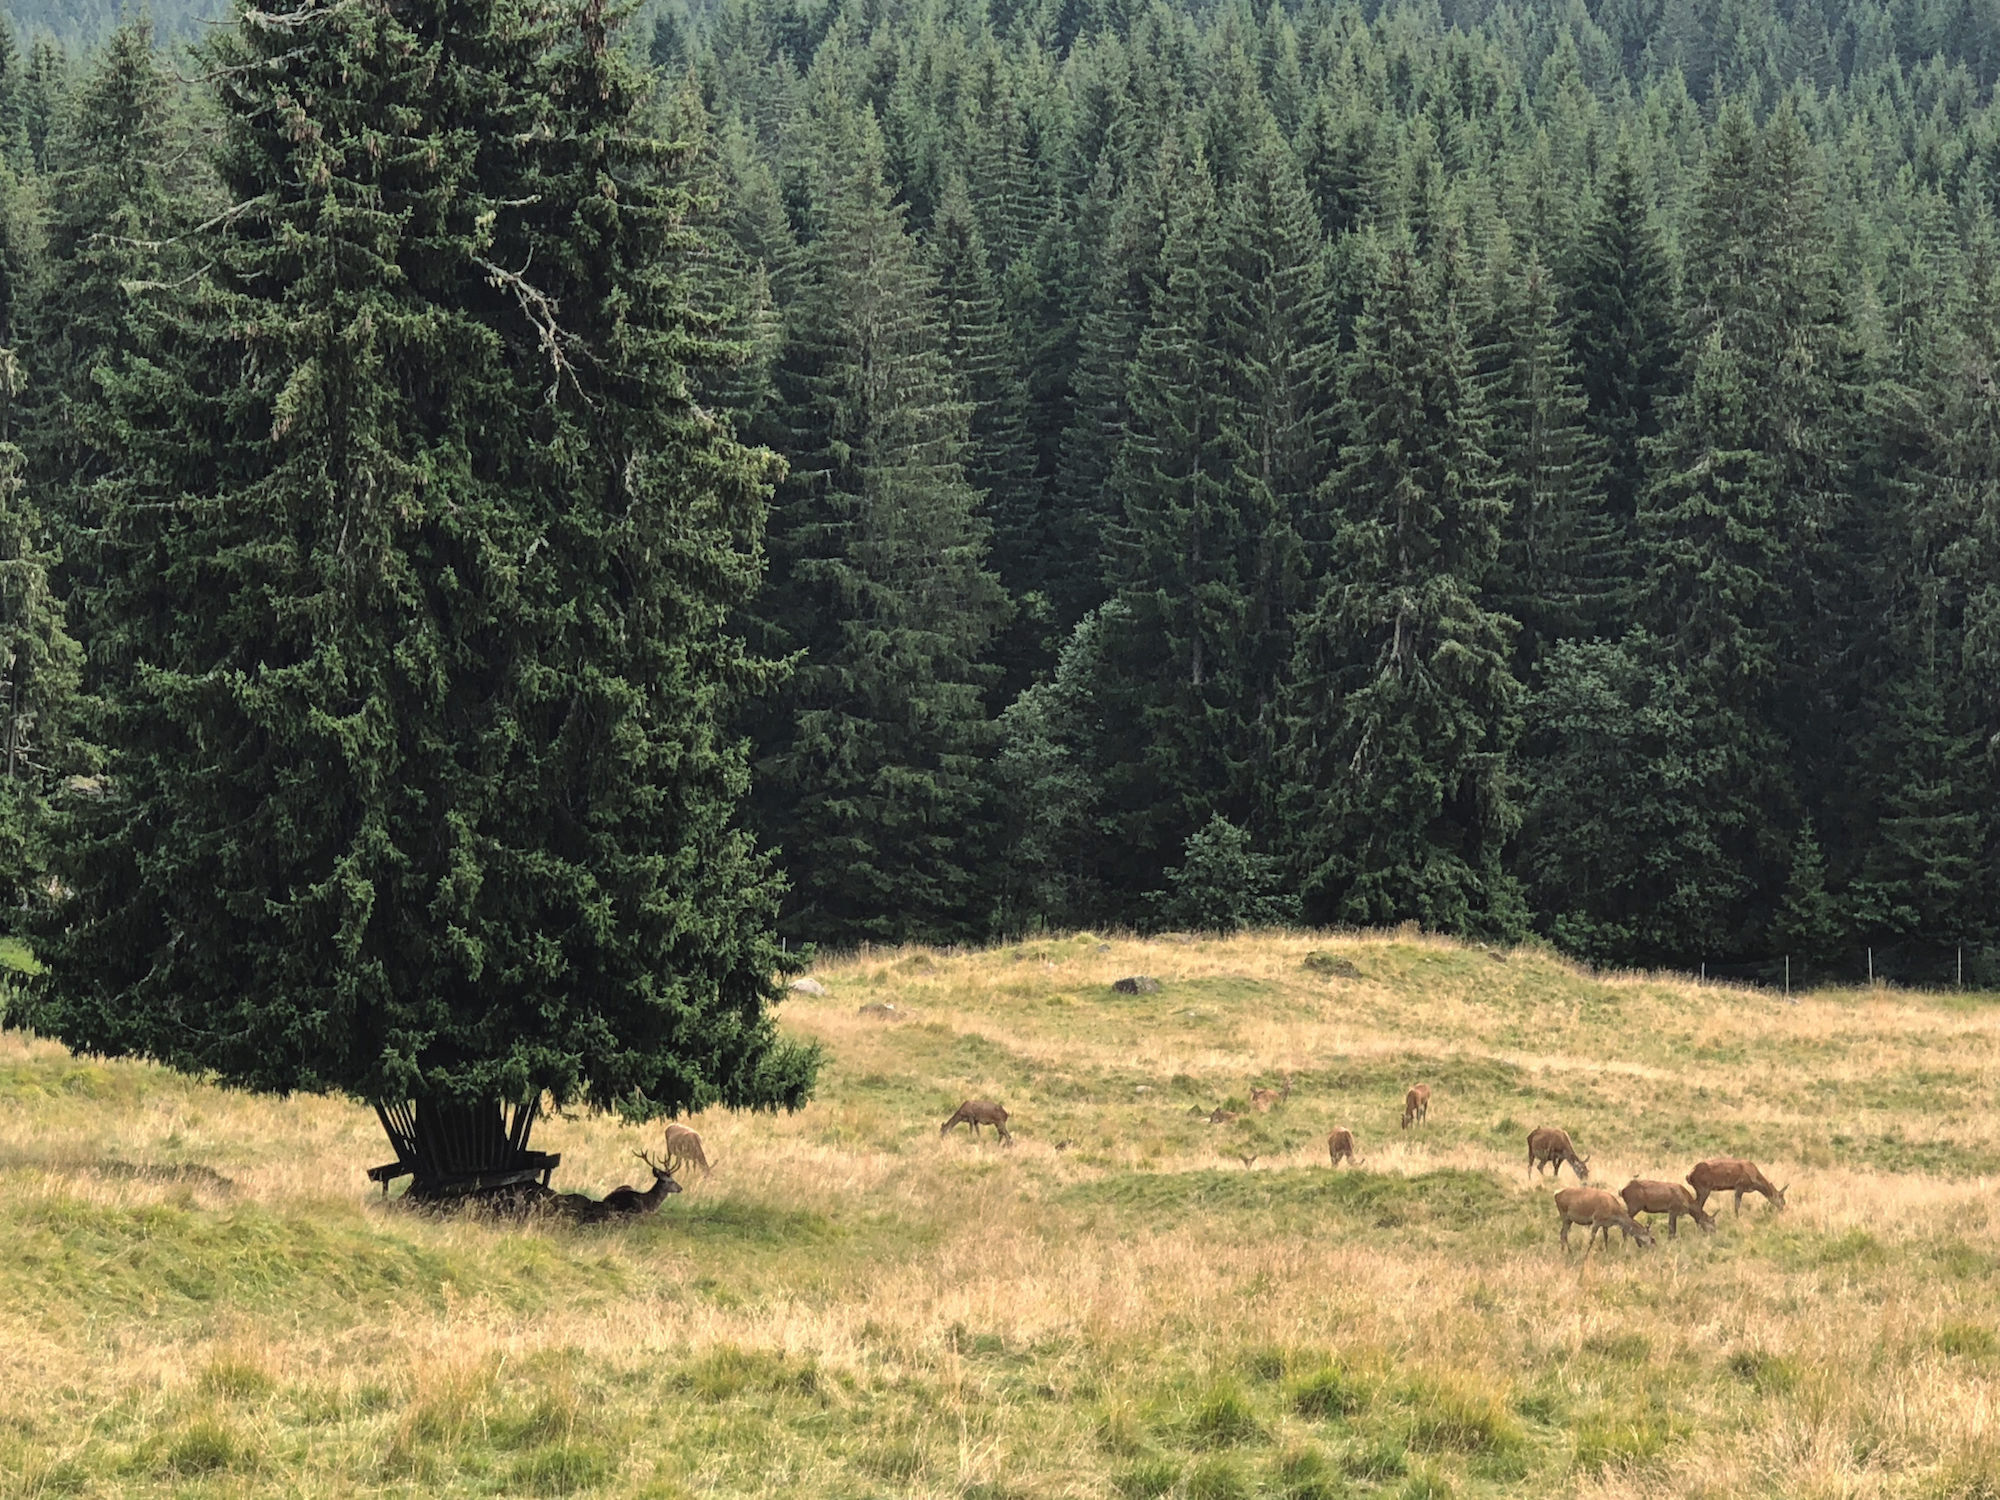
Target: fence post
<point>1871,967</point>
<point>1788,976</point>
<point>1961,966</point>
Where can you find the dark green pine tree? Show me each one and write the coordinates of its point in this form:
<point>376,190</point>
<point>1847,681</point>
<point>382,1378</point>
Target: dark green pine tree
<point>1711,531</point>
<point>416,652</point>
<point>43,86</point>
<point>999,457</point>
<point>1808,925</point>
<point>41,718</point>
<point>1558,563</point>
<point>874,772</point>
<point>1176,559</point>
<point>13,103</point>
<point>1401,710</point>
<point>1620,298</point>
<point>112,220</point>
<point>1119,305</point>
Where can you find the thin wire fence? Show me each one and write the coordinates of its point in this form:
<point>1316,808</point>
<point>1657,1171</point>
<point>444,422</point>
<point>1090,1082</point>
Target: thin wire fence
<point>1909,965</point>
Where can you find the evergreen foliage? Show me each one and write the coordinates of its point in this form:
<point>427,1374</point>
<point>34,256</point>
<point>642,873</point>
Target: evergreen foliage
<point>415,576</point>
<point>1401,708</point>
<point>1513,464</point>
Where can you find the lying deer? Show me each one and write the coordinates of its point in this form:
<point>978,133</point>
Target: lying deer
<point>1263,1099</point>
<point>684,1145</point>
<point>1726,1174</point>
<point>620,1202</point>
<point>1548,1144</point>
<point>1601,1212</point>
<point>1416,1105</point>
<point>978,1112</point>
<point>1670,1198</point>
<point>1220,1116</point>
<point>1340,1146</point>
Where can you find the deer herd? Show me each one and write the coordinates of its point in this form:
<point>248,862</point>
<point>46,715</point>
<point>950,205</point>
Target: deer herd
<point>1597,1209</point>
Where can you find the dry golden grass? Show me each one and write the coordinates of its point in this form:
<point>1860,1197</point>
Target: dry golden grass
<point>203,1297</point>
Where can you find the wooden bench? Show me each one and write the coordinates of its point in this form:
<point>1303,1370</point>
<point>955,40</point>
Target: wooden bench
<point>529,1166</point>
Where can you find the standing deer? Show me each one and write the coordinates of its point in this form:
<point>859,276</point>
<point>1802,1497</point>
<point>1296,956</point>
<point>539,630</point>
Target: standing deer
<point>1601,1212</point>
<point>1416,1105</point>
<point>1548,1144</point>
<point>978,1112</point>
<point>684,1145</point>
<point>1340,1145</point>
<point>1726,1174</point>
<point>1670,1198</point>
<point>1263,1099</point>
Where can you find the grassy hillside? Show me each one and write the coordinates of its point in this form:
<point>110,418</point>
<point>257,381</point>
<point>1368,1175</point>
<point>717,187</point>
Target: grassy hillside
<point>201,1297</point>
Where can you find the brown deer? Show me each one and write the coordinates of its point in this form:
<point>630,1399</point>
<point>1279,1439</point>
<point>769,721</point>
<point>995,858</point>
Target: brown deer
<point>1263,1099</point>
<point>1548,1144</point>
<point>1340,1146</point>
<point>978,1112</point>
<point>1416,1105</point>
<point>1673,1199</point>
<point>628,1200</point>
<point>1726,1174</point>
<point>1601,1212</point>
<point>1220,1116</point>
<point>620,1202</point>
<point>684,1145</point>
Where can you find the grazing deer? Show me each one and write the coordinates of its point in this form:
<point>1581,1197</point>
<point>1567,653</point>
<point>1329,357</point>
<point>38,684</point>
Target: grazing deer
<point>1670,1198</point>
<point>1548,1144</point>
<point>1601,1212</point>
<point>683,1145</point>
<point>1416,1105</point>
<point>1340,1146</point>
<point>1263,1099</point>
<point>1726,1174</point>
<point>978,1112</point>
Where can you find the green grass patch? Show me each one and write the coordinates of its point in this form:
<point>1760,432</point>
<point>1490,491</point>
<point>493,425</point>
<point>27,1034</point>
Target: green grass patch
<point>1453,1414</point>
<point>1329,1393</point>
<point>1223,1418</point>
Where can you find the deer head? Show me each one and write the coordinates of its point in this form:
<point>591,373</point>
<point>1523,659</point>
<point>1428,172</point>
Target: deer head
<point>662,1172</point>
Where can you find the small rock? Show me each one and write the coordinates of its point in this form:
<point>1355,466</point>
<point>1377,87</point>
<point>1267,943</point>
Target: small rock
<point>808,986</point>
<point>1137,984</point>
<point>1103,947</point>
<point>1331,965</point>
<point>882,1010</point>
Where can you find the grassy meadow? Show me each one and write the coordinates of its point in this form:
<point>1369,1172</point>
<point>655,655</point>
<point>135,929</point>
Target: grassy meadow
<point>204,1297</point>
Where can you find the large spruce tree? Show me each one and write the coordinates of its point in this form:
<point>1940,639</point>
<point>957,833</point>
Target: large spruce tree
<point>1401,706</point>
<point>872,760</point>
<point>412,630</point>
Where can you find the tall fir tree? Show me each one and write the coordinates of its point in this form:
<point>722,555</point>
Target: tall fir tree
<point>874,762</point>
<point>115,209</point>
<point>1401,709</point>
<point>1620,298</point>
<point>1558,573</point>
<point>416,649</point>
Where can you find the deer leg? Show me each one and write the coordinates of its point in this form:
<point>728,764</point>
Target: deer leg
<point>1739,1200</point>
<point>1673,1225</point>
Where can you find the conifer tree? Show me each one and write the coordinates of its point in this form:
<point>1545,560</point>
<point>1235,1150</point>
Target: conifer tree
<point>112,220</point>
<point>1621,303</point>
<point>1401,709</point>
<point>42,745</point>
<point>417,645</point>
<point>873,771</point>
<point>1560,552</point>
<point>999,461</point>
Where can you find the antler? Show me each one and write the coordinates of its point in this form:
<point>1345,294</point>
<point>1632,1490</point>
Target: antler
<point>658,1168</point>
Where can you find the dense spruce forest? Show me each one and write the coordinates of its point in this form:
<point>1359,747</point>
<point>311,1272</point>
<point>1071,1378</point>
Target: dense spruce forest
<point>1518,466</point>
